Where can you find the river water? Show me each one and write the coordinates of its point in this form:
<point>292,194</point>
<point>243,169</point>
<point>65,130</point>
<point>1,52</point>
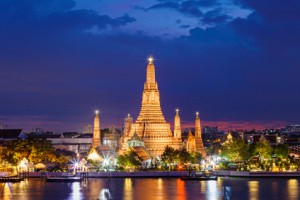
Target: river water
<point>156,188</point>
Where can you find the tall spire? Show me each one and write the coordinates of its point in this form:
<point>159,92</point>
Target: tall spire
<point>151,110</point>
<point>198,136</point>
<point>127,124</point>
<point>150,78</point>
<point>177,127</point>
<point>198,132</point>
<point>96,132</point>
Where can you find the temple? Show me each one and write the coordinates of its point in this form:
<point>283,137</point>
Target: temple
<point>96,132</point>
<point>151,125</point>
<point>198,136</point>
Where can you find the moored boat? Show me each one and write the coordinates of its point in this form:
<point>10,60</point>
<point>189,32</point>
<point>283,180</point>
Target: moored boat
<point>199,178</point>
<point>63,179</point>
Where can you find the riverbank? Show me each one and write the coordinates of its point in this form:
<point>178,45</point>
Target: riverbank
<point>261,174</point>
<point>163,174</point>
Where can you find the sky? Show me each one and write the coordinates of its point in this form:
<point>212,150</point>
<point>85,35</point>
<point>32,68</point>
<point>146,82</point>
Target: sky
<point>237,62</point>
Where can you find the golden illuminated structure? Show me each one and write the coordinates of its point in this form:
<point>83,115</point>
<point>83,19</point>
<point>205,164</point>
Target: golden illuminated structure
<point>191,142</point>
<point>151,125</point>
<point>177,127</point>
<point>94,155</point>
<point>96,132</point>
<point>198,136</point>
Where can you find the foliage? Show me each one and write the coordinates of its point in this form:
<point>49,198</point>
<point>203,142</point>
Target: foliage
<point>182,156</point>
<point>169,155</point>
<point>236,150</point>
<point>281,151</point>
<point>196,157</point>
<point>35,150</point>
<point>263,149</point>
<point>129,159</point>
<point>214,149</point>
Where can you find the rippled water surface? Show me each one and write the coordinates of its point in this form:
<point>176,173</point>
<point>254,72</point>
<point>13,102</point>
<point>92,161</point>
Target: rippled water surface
<point>158,188</point>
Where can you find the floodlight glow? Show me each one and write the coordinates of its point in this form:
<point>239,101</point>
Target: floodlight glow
<point>150,59</point>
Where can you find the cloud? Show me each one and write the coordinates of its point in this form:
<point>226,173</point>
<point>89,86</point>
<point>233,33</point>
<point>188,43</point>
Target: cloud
<point>189,8</point>
<point>215,16</point>
<point>54,15</point>
<point>202,3</point>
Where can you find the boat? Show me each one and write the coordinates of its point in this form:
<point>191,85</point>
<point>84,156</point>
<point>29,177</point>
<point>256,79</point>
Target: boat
<point>63,179</point>
<point>12,179</point>
<point>199,178</point>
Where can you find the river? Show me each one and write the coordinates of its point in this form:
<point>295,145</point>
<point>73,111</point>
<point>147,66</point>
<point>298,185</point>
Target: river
<point>150,189</point>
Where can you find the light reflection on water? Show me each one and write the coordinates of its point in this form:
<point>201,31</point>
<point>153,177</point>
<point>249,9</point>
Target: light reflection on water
<point>253,190</point>
<point>212,190</point>
<point>75,191</point>
<point>128,189</point>
<point>293,189</point>
<point>105,194</point>
<point>181,195</point>
<point>151,188</point>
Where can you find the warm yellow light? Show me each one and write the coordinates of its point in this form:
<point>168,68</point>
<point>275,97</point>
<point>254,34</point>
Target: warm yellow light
<point>96,112</point>
<point>150,59</point>
<point>94,156</point>
<point>197,114</point>
<point>177,110</point>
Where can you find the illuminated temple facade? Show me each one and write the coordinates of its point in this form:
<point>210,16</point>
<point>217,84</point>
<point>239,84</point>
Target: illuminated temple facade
<point>151,125</point>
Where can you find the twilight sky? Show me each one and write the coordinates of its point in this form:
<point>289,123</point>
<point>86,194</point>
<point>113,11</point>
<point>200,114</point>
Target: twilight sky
<point>237,62</point>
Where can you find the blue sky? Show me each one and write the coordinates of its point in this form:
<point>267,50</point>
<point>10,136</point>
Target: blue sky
<point>235,61</point>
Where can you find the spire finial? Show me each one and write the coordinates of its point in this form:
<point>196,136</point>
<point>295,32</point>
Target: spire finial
<point>96,112</point>
<point>177,111</point>
<point>150,59</point>
<point>197,114</point>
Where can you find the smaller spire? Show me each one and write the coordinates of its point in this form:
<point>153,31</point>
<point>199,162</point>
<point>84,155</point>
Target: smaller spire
<point>177,111</point>
<point>197,114</point>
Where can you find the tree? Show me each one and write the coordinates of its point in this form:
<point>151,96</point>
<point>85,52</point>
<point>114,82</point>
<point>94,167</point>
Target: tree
<point>196,157</point>
<point>168,157</point>
<point>281,151</point>
<point>182,156</point>
<point>129,159</point>
<point>263,149</point>
<point>35,150</point>
<point>235,150</point>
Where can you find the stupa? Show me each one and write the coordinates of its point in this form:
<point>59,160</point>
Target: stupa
<point>96,132</point>
<point>93,152</point>
<point>151,125</point>
<point>198,136</point>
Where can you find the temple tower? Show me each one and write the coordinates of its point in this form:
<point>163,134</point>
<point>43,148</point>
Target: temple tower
<point>198,136</point>
<point>191,142</point>
<point>177,127</point>
<point>96,132</point>
<point>127,124</point>
<point>151,125</point>
<point>151,110</point>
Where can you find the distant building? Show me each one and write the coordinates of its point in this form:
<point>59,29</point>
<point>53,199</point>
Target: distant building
<point>291,129</point>
<point>88,129</point>
<point>112,139</point>
<point>210,130</point>
<point>9,134</point>
<point>272,139</point>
